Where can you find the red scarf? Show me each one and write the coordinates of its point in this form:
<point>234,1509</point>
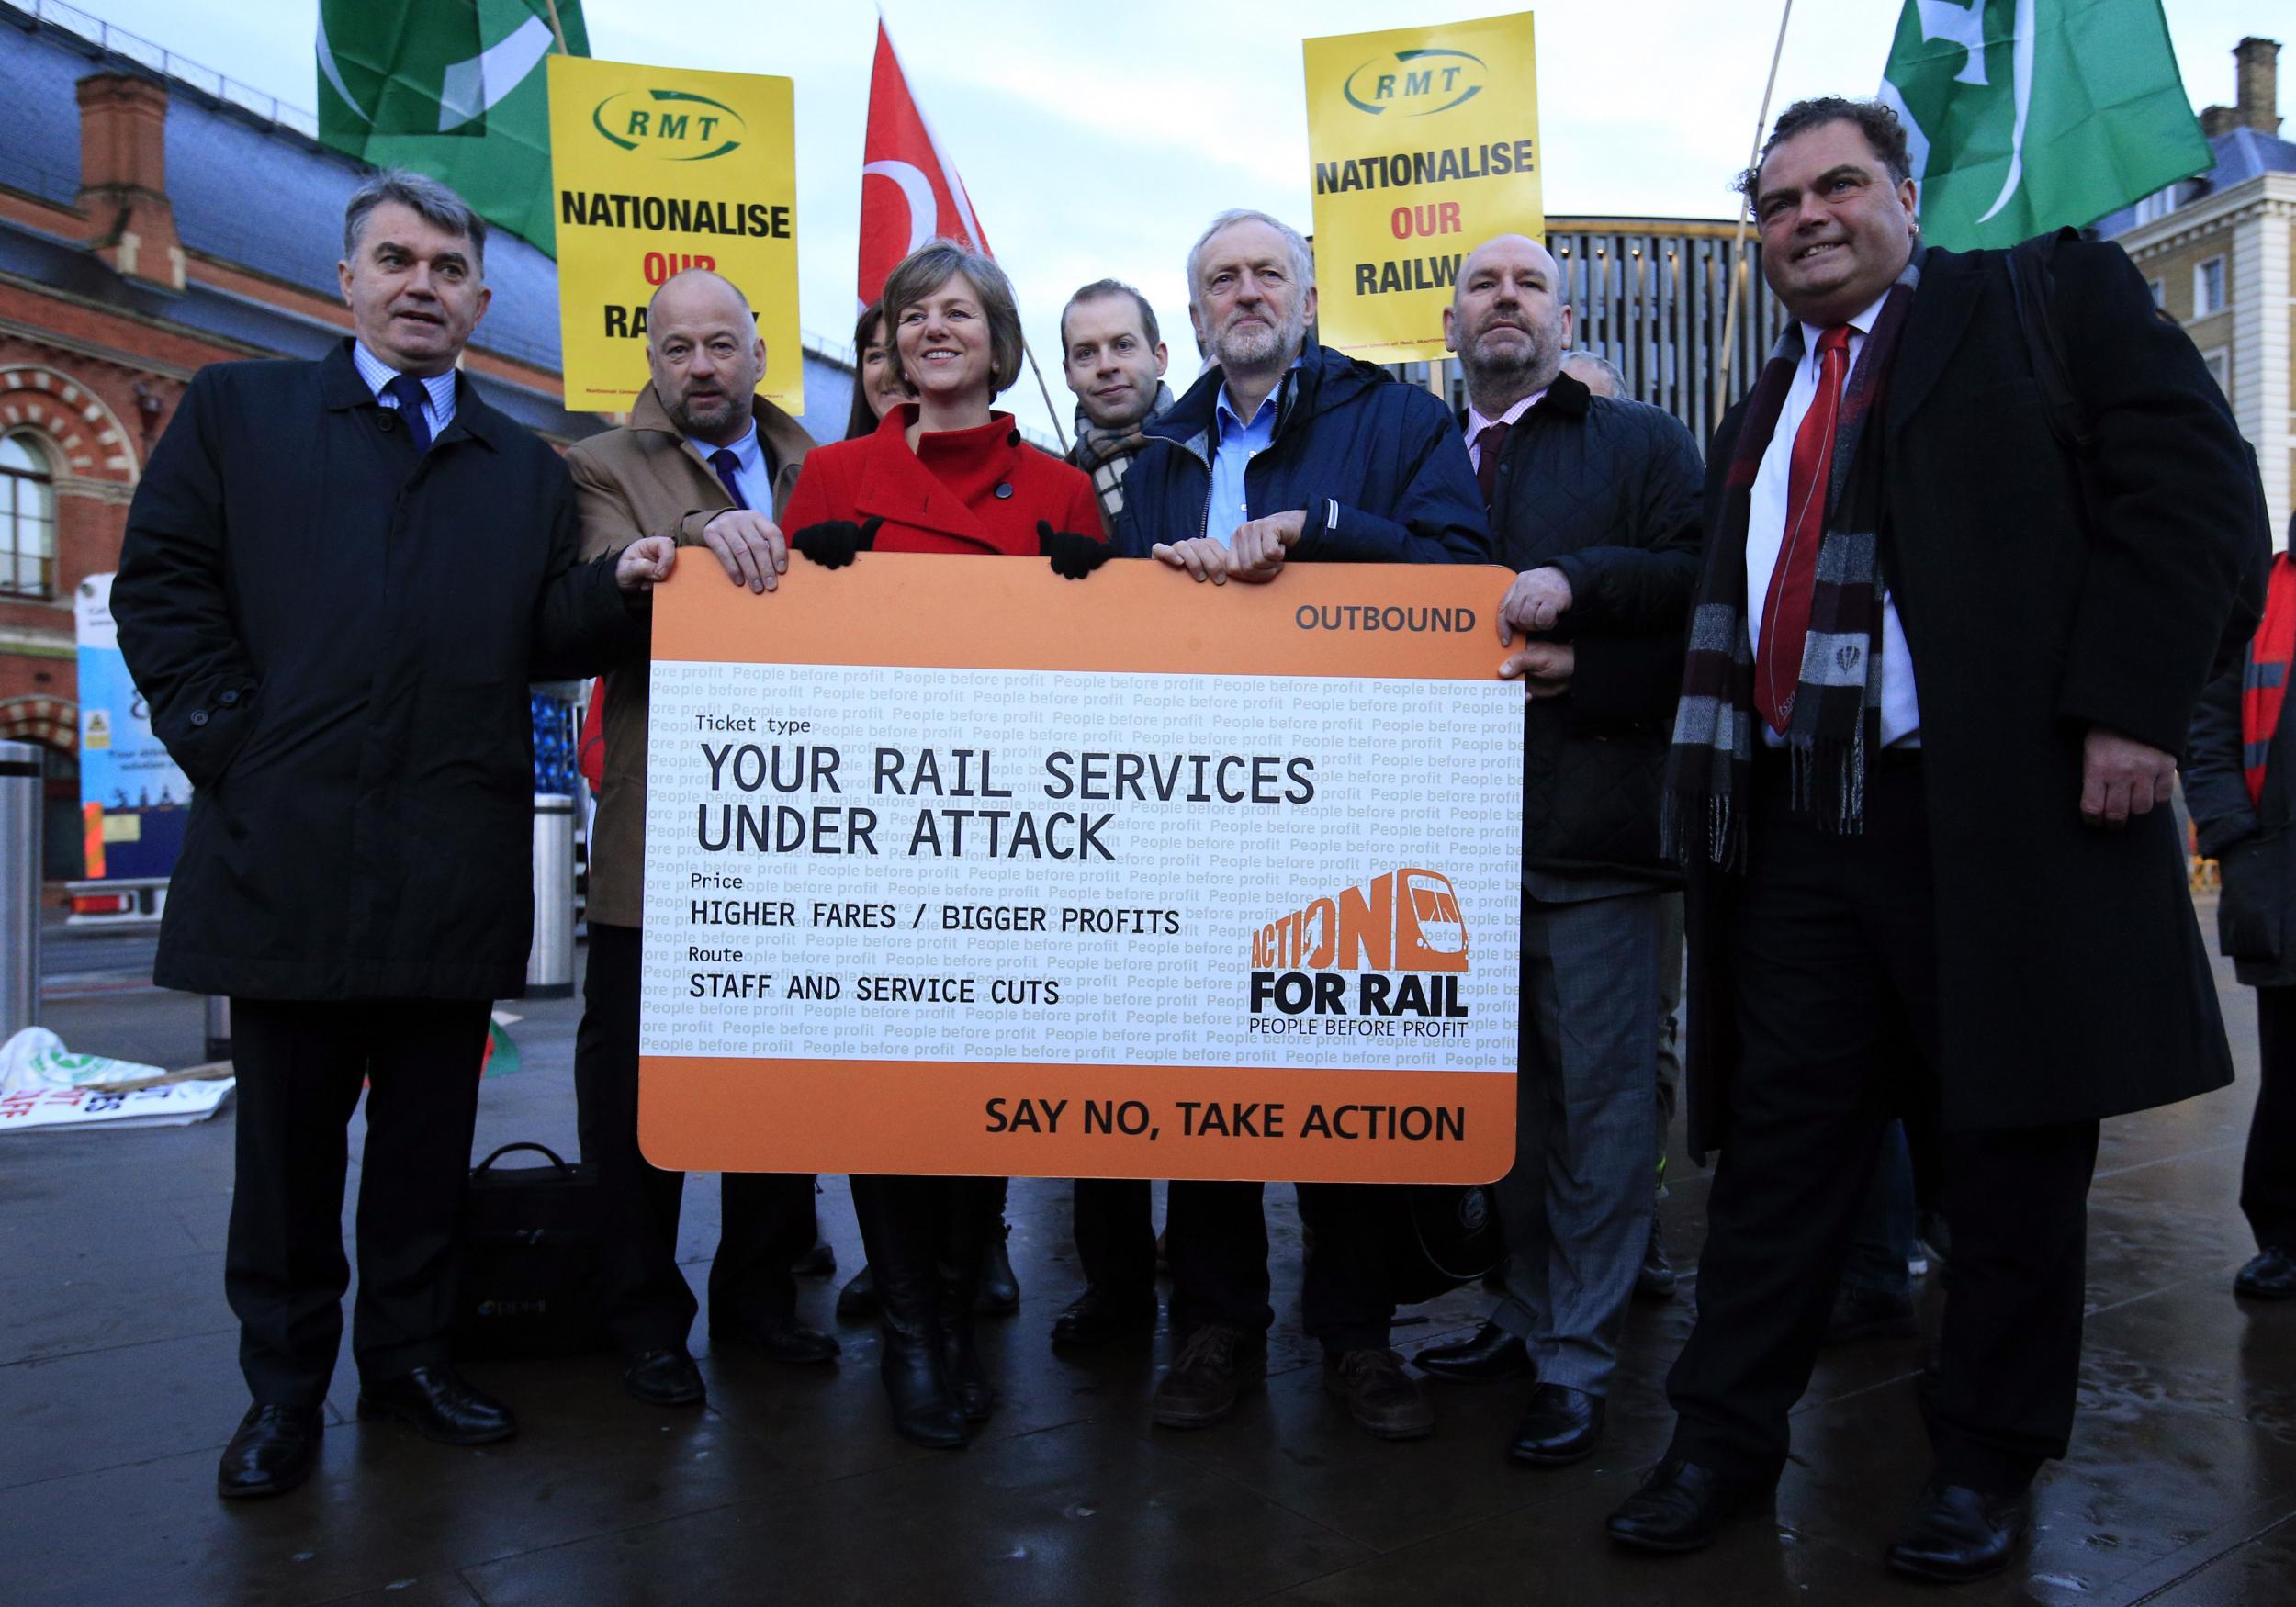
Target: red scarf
<point>2265,685</point>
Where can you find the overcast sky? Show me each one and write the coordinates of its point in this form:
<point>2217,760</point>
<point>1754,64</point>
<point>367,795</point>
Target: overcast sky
<point>1097,138</point>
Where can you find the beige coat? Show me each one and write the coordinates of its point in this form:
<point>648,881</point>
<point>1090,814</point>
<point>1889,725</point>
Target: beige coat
<point>644,480</point>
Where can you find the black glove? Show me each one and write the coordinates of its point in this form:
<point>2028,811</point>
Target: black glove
<point>1074,556</point>
<point>833,542</point>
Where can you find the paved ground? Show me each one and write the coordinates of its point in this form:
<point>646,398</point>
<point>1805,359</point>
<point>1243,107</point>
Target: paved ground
<point>118,1385</point>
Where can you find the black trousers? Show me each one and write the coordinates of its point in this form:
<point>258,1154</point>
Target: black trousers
<point>1116,1235</point>
<point>1832,944</point>
<point>301,1065</point>
<point>1216,1238</point>
<point>2268,1177</point>
<point>767,1217</point>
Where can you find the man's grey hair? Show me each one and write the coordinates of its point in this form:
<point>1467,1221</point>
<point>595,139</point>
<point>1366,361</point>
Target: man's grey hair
<point>1601,364</point>
<point>427,198</point>
<point>1302,258</point>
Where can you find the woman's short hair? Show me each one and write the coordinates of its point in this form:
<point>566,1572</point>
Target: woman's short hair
<point>926,270</point>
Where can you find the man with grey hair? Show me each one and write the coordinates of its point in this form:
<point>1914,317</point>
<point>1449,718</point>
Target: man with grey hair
<point>1594,503</point>
<point>1287,452</point>
<point>705,462</point>
<point>337,580</point>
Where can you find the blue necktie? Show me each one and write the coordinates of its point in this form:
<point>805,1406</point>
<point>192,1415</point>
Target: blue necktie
<point>724,461</point>
<point>413,403</point>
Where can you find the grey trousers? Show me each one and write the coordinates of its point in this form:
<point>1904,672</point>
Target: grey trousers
<point>1576,1205</point>
<point>1669,1056</point>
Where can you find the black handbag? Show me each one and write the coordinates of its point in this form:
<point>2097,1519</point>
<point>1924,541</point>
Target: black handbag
<point>1444,1235</point>
<point>530,1263</point>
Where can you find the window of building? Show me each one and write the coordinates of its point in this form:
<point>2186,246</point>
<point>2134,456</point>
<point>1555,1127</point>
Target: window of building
<point>28,520</point>
<point>2208,287</point>
<point>2158,205</point>
<point>2159,290</point>
<point>2220,367</point>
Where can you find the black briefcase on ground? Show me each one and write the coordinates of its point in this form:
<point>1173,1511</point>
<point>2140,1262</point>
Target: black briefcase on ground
<point>1441,1235</point>
<point>530,1262</point>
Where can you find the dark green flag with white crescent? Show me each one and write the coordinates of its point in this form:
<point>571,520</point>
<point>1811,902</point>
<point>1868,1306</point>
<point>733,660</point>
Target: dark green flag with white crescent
<point>2025,115</point>
<point>452,88</point>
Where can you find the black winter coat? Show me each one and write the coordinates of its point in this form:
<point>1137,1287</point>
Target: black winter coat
<point>335,635</point>
<point>1377,466</point>
<point>1606,491</point>
<point>2071,983</point>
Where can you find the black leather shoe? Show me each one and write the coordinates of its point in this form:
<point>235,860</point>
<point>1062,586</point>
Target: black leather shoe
<point>1385,1400</point>
<point>2271,1275</point>
<point>997,1294</point>
<point>1215,1365</point>
<point>664,1378</point>
<point>271,1453</point>
<point>1868,1314</point>
<point>782,1340</point>
<point>439,1406</point>
<point>1958,1533</point>
<point>1655,1279</point>
<point>857,1301</point>
<point>1487,1356</point>
<point>1680,1505</point>
<point>1098,1315</point>
<point>1560,1426</point>
<point>818,1262</point>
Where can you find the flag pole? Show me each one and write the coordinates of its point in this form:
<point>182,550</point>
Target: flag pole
<point>557,26</point>
<point>1745,215</point>
<point>1049,410</point>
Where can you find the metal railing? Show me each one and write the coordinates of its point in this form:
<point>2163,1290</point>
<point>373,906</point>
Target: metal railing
<point>168,65</point>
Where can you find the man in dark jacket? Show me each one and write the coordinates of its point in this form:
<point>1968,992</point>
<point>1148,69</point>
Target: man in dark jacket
<point>337,580</point>
<point>1594,503</point>
<point>2240,784</point>
<point>1287,452</point>
<point>1930,707</point>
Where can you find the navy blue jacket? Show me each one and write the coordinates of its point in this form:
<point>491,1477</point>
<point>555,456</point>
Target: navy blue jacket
<point>1377,466</point>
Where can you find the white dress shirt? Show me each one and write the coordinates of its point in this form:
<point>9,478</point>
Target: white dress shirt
<point>1765,534</point>
<point>439,389</point>
<point>752,473</point>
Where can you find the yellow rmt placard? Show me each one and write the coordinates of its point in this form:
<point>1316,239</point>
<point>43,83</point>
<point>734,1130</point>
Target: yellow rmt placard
<point>1425,144</point>
<point>659,169</point>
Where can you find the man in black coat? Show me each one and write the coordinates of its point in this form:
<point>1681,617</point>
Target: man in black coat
<point>1930,705</point>
<point>1593,501</point>
<point>337,580</point>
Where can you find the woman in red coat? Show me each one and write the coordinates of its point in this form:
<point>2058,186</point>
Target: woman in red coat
<point>942,473</point>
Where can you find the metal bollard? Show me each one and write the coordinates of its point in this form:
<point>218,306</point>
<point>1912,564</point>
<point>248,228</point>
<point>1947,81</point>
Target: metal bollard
<point>19,887</point>
<point>550,962</point>
<point>218,1027</point>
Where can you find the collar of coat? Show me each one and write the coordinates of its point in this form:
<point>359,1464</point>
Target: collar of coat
<point>1565,399</point>
<point>1324,380</point>
<point>896,486</point>
<point>784,437</point>
<point>341,387</point>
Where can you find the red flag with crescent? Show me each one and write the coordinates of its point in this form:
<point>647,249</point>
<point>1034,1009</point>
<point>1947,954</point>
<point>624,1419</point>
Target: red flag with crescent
<point>910,191</point>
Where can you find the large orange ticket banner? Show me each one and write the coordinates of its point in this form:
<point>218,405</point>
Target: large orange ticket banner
<point>957,867</point>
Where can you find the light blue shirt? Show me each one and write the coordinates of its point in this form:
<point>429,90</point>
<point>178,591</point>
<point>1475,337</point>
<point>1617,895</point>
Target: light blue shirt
<point>1235,444</point>
<point>440,388</point>
<point>751,472</point>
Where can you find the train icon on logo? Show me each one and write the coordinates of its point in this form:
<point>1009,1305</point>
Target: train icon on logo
<point>1394,946</point>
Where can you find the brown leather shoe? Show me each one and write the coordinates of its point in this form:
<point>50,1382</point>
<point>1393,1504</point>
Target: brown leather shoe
<point>1380,1396</point>
<point>1215,1365</point>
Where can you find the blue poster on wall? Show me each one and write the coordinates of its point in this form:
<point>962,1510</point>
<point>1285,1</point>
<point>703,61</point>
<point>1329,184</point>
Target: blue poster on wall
<point>134,801</point>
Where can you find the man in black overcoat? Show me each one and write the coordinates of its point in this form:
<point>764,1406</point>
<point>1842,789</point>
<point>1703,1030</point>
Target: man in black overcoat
<point>1930,722</point>
<point>337,580</point>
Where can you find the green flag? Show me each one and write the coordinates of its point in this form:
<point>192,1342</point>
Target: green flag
<point>452,88</point>
<point>2025,115</point>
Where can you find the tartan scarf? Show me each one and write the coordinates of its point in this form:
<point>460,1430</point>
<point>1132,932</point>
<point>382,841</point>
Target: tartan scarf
<point>1838,701</point>
<point>2264,682</point>
<point>1106,454</point>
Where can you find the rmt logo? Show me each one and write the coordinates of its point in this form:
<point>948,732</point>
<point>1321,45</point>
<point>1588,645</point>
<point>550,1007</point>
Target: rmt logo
<point>1399,938</point>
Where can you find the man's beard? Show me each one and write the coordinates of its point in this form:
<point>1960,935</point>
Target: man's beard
<point>709,412</point>
<point>1501,365</point>
<point>1258,348</point>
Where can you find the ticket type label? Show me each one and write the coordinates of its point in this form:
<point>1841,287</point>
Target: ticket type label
<point>956,867</point>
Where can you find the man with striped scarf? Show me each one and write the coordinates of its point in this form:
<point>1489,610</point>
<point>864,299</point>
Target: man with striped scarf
<point>1939,669</point>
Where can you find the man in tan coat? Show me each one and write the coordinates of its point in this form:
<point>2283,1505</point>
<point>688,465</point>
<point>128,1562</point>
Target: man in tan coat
<point>703,460</point>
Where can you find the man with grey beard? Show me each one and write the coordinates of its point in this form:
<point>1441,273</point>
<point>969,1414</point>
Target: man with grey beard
<point>1288,452</point>
<point>1595,502</point>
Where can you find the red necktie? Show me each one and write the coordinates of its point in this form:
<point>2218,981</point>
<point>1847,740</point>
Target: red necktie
<point>1487,446</point>
<point>1793,579</point>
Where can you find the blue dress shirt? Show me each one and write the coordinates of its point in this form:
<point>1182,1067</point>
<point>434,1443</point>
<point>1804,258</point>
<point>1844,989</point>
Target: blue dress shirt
<point>439,387</point>
<point>752,472</point>
<point>1236,444</point>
